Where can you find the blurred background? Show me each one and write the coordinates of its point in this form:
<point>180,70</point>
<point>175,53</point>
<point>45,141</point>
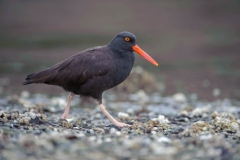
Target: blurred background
<point>196,43</point>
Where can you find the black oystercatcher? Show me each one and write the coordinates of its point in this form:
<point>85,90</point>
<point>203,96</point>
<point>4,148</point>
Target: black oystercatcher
<point>91,72</point>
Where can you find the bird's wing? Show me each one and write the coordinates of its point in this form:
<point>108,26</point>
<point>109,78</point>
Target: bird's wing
<point>75,70</point>
<point>79,68</point>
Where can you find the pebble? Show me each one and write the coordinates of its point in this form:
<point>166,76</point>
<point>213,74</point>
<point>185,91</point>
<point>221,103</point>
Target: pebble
<point>112,130</point>
<point>164,139</point>
<point>32,115</point>
<point>234,126</point>
<point>162,119</point>
<point>180,97</point>
<point>122,114</point>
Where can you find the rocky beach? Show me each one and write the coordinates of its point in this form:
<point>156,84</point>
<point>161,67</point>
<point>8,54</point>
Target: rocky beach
<point>176,127</point>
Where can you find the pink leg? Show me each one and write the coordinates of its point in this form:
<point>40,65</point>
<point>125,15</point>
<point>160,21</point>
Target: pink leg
<point>65,114</point>
<point>114,121</point>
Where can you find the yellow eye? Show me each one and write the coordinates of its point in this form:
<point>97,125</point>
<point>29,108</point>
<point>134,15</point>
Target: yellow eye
<point>127,39</point>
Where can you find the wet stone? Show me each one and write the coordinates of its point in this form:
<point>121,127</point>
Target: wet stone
<point>35,120</point>
<point>65,123</point>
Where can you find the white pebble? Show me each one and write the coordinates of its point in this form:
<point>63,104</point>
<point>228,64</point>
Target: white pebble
<point>99,141</point>
<point>112,130</point>
<point>92,138</point>
<point>183,113</point>
<point>118,133</point>
<point>25,94</point>
<point>180,97</point>
<point>206,137</point>
<point>204,129</point>
<point>32,115</point>
<point>155,128</point>
<point>122,114</point>
<point>162,119</point>
<point>98,115</point>
<point>69,119</point>
<point>164,139</point>
<point>81,134</point>
<point>234,126</point>
<point>108,139</point>
<point>216,92</point>
<point>130,110</point>
<point>38,115</point>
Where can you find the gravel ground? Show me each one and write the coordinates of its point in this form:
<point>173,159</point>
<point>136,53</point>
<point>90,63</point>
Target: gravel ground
<point>162,128</point>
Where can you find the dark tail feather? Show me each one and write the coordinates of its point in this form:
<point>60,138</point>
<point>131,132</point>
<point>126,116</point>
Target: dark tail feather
<point>28,79</point>
<point>39,77</point>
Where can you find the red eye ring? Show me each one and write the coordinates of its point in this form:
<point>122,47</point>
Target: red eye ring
<point>127,39</point>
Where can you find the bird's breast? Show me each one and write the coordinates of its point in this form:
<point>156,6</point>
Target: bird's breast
<point>122,68</point>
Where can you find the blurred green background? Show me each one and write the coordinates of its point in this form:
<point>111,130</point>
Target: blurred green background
<point>196,43</point>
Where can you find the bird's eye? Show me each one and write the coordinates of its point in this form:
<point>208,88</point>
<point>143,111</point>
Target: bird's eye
<point>127,39</point>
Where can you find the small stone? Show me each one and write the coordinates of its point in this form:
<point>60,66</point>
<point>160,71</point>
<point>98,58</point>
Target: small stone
<point>4,119</point>
<point>186,119</point>
<point>183,113</point>
<point>206,137</point>
<point>92,138</point>
<point>124,130</point>
<point>164,139</point>
<point>112,130</point>
<point>32,115</point>
<point>44,117</point>
<point>32,110</point>
<point>99,130</point>
<point>180,97</point>
<point>122,114</point>
<point>204,128</point>
<point>35,121</point>
<point>108,139</point>
<point>155,128</point>
<point>25,94</point>
<point>198,112</point>
<point>98,116</point>
<point>64,123</point>
<point>162,119</point>
<point>216,92</point>
<point>200,126</point>
<point>8,115</point>
<point>90,131</point>
<point>15,125</point>
<point>118,133</point>
<point>14,115</point>
<point>25,121</point>
<point>234,126</point>
<point>38,115</point>
<point>238,134</point>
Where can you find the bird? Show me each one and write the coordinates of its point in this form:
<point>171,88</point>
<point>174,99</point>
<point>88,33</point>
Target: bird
<point>91,72</point>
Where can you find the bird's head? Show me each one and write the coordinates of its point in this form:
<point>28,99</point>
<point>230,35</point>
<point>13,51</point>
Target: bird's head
<point>126,41</point>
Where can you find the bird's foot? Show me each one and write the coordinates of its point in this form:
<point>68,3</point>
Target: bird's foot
<point>120,124</point>
<point>64,116</point>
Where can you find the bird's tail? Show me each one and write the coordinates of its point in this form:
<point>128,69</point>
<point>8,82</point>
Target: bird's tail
<point>39,77</point>
<point>28,79</point>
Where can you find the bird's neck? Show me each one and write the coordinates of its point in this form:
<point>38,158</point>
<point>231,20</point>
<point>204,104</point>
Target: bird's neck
<point>115,49</point>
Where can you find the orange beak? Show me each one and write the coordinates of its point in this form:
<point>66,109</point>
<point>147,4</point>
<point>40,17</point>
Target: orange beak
<point>138,50</point>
